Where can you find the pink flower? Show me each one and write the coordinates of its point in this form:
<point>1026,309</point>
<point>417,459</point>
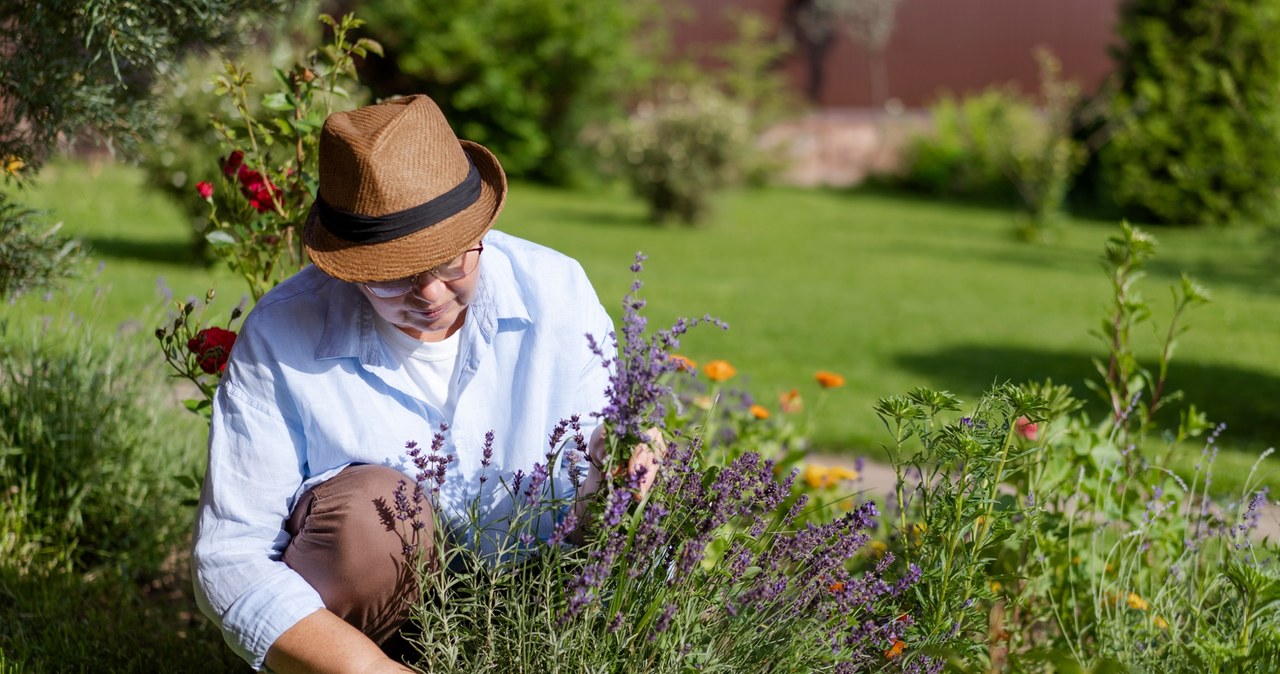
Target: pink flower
<point>205,189</point>
<point>1026,428</point>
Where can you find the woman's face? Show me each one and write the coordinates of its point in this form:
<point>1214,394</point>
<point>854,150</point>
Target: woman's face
<point>431,309</point>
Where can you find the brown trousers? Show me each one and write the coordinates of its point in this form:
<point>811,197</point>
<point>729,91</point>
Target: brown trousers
<point>349,546</point>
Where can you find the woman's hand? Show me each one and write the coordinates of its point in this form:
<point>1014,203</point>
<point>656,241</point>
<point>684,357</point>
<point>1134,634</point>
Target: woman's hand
<point>646,455</point>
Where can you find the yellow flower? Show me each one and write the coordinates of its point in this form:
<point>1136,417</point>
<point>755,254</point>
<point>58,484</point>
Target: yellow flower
<point>682,363</point>
<point>821,477</point>
<point>817,477</point>
<point>916,532</point>
<point>878,548</point>
<point>1137,603</point>
<point>759,412</point>
<point>1075,560</point>
<point>839,473</point>
<point>1159,622</point>
<point>829,379</point>
<point>996,586</point>
<point>719,370</point>
<point>895,650</point>
<point>13,164</point>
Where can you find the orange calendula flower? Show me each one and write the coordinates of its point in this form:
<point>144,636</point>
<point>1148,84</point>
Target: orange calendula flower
<point>1136,602</point>
<point>895,650</point>
<point>759,412</point>
<point>719,370</point>
<point>686,364</point>
<point>836,586</point>
<point>791,402</point>
<point>829,379</point>
<point>13,164</point>
<point>1159,622</point>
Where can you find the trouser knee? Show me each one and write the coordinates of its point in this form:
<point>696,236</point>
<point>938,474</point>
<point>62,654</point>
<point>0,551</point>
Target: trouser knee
<point>350,546</point>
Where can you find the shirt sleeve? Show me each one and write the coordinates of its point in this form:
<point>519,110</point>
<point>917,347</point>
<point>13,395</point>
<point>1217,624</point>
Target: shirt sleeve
<point>253,476</point>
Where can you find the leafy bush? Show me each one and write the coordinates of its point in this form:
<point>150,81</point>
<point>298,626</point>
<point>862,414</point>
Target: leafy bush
<point>1052,543</point>
<point>86,474</point>
<point>522,77</point>
<point>72,65</point>
<point>1196,111</point>
<point>31,255</point>
<point>964,153</point>
<point>678,150</point>
<point>1000,145</point>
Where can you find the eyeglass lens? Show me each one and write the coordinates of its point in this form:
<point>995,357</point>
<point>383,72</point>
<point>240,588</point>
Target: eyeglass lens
<point>451,271</point>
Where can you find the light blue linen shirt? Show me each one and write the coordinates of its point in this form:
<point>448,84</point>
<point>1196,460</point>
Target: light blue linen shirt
<point>310,388</point>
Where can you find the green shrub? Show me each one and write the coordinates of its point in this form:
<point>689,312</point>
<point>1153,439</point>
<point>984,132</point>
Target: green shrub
<point>1196,111</point>
<point>86,473</point>
<point>999,145</point>
<point>964,153</point>
<point>678,150</point>
<point>522,77</point>
<point>32,256</point>
<point>73,65</point>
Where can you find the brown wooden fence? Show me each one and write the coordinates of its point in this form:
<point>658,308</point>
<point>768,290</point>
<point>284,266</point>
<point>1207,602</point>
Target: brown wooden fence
<point>959,46</point>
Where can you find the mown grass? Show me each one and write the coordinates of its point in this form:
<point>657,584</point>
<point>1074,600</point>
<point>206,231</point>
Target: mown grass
<point>890,290</point>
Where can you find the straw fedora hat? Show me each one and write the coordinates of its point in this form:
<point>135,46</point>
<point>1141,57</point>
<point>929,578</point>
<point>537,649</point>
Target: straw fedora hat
<point>399,192</point>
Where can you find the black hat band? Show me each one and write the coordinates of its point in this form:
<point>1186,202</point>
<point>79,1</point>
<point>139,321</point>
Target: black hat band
<point>358,228</point>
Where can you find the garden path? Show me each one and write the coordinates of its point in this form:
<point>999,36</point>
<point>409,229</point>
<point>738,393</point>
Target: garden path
<point>876,480</point>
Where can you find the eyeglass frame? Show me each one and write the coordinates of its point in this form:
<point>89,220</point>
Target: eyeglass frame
<point>412,281</point>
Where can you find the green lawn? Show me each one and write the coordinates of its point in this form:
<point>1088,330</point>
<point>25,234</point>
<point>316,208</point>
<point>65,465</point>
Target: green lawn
<point>892,291</point>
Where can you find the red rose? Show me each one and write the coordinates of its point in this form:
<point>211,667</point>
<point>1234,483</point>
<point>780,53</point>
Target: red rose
<point>205,189</point>
<point>212,346</point>
<point>231,165</point>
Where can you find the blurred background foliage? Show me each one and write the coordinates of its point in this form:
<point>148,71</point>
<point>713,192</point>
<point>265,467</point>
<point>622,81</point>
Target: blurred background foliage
<point>575,92</point>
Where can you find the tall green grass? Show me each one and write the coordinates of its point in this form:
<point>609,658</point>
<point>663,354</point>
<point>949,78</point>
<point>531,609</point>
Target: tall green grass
<point>890,290</point>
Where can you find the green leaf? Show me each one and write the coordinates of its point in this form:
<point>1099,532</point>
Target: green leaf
<point>219,237</point>
<point>278,101</point>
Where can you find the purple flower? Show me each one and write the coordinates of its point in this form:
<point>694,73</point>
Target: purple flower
<point>636,400</point>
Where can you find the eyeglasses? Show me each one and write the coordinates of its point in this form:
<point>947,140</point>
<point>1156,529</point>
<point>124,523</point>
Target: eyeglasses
<point>449,272</point>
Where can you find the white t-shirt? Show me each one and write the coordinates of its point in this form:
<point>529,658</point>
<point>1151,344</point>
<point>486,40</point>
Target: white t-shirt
<point>428,364</point>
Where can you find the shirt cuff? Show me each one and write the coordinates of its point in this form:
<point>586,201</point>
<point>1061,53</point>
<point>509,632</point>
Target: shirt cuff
<point>260,616</point>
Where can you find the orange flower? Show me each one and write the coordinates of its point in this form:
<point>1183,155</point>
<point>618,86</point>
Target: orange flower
<point>836,586</point>
<point>682,362</point>
<point>791,402</point>
<point>829,379</point>
<point>1136,602</point>
<point>719,370</point>
<point>759,412</point>
<point>895,650</point>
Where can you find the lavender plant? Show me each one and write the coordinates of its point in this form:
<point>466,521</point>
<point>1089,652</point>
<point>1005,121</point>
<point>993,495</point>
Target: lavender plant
<point>708,570</point>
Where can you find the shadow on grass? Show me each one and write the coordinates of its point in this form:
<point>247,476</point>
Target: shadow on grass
<point>162,252</point>
<point>1247,401</point>
<point>103,623</point>
<point>594,217</point>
